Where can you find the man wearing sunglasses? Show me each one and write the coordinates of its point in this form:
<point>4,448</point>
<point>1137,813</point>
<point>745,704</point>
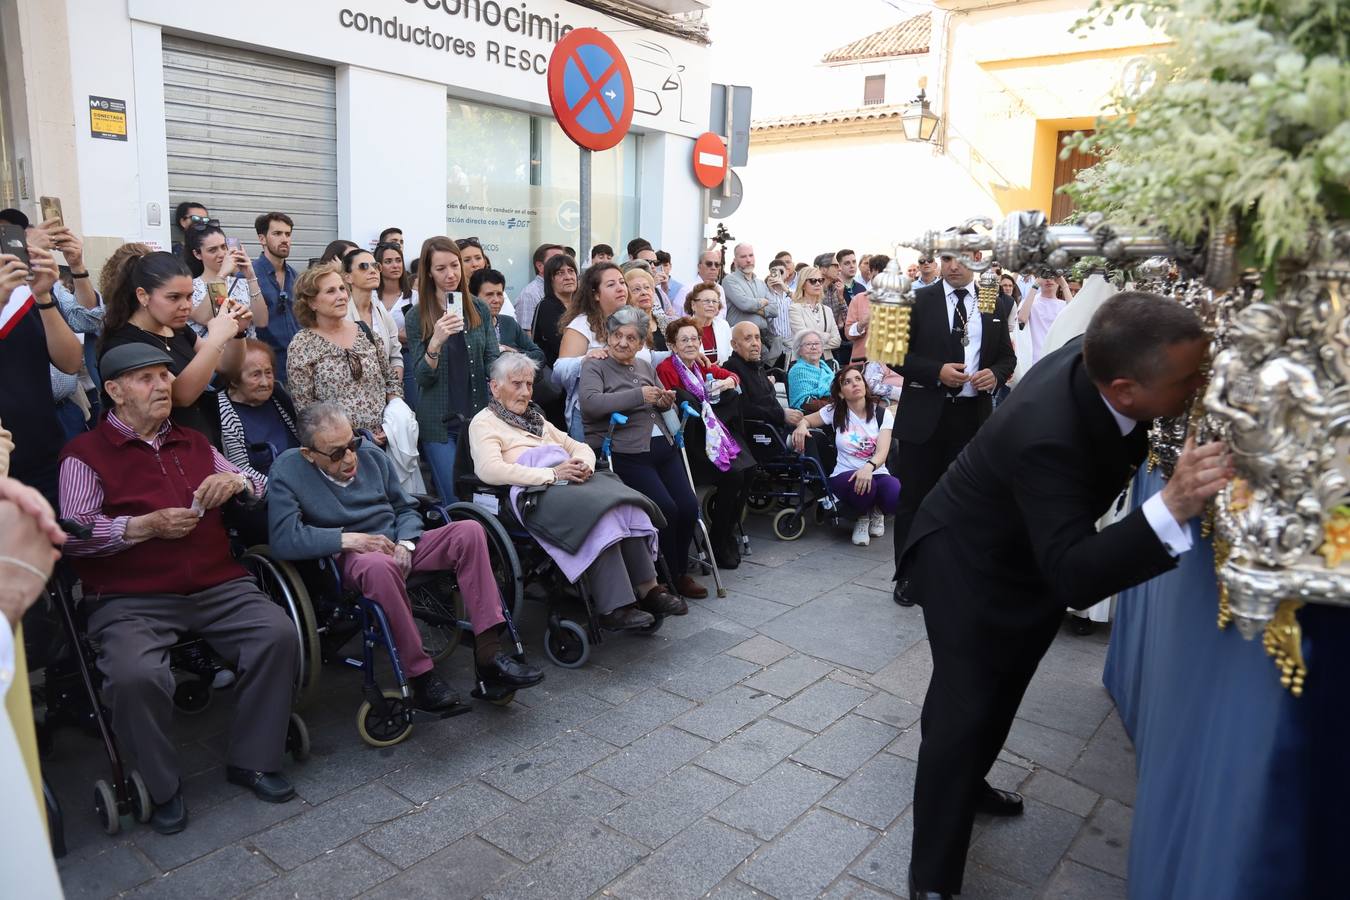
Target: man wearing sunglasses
<point>339,496</point>
<point>928,272</point>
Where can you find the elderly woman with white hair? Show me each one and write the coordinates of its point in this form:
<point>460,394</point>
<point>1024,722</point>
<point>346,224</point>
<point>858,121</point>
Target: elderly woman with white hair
<point>810,375</point>
<point>608,524</point>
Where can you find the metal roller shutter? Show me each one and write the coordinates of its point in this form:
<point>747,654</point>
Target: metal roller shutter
<point>249,133</point>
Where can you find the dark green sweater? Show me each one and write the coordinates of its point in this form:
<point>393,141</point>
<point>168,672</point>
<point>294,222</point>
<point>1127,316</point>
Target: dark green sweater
<point>433,397</point>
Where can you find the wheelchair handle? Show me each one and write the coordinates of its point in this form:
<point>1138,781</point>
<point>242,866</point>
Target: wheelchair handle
<point>615,419</point>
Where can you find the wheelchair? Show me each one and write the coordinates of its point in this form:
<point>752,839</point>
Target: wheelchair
<point>70,695</point>
<point>328,615</point>
<point>567,643</point>
<point>788,484</point>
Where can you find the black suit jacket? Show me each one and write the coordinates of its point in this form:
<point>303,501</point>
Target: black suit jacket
<point>1022,501</point>
<point>921,400</point>
<point>759,400</point>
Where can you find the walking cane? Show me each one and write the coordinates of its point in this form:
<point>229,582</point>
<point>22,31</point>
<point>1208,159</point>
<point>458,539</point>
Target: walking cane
<point>614,419</point>
<point>702,526</point>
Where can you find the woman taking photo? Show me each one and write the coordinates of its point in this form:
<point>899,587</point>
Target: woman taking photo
<point>513,444</point>
<point>1042,308</point>
<point>257,417</point>
<point>602,293</point>
<point>560,283</point>
<point>644,454</point>
<point>702,304</point>
<point>231,267</point>
<point>332,360</point>
<point>862,437</point>
<point>810,377</point>
<point>149,300</point>
<point>452,345</point>
<point>717,449</point>
<point>809,310</point>
<point>642,294</point>
<point>362,274</point>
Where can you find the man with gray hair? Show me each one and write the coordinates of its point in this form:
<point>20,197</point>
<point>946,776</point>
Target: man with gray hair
<point>338,495</point>
<point>748,297</point>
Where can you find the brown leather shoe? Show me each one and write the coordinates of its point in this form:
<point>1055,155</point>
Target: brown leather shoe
<point>690,588</point>
<point>626,618</point>
<point>661,602</point>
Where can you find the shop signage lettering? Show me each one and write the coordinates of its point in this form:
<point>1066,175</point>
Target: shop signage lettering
<point>511,18</point>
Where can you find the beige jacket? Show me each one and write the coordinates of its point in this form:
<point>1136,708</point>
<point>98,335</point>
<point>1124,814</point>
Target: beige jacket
<point>496,445</point>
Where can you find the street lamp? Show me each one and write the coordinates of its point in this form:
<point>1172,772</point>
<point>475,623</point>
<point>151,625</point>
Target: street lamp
<point>918,120</point>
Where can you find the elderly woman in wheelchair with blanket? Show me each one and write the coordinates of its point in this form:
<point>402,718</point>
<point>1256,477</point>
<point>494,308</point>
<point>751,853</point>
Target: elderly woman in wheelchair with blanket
<point>590,523</point>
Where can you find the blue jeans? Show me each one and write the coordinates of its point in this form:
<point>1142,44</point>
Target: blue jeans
<point>440,457</point>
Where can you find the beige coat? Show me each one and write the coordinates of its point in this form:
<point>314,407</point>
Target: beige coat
<point>496,446</point>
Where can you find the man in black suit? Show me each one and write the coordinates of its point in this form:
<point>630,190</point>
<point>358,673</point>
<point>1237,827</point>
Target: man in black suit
<point>1008,539</point>
<point>958,357</point>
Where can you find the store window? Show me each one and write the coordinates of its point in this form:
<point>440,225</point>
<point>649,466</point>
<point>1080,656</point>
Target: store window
<point>874,90</point>
<point>512,183</point>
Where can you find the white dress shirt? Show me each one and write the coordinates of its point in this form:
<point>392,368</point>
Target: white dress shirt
<point>1175,537</point>
<point>974,331</point>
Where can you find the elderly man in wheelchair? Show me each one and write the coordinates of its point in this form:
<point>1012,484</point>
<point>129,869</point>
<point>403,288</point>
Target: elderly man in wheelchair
<point>337,495</point>
<point>156,566</point>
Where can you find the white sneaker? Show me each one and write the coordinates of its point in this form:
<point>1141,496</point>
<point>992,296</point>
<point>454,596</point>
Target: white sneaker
<point>878,525</point>
<point>860,532</point>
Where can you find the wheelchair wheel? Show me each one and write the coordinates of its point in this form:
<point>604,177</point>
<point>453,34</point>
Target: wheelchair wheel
<point>105,807</point>
<point>505,561</point>
<point>760,503</point>
<point>297,738</point>
<point>192,696</point>
<point>788,524</point>
<point>566,644</point>
<point>141,804</point>
<point>283,583</point>
<point>386,722</point>
<point>438,609</point>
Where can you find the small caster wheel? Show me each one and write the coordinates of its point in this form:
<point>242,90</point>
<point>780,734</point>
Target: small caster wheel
<point>566,645</point>
<point>788,524</point>
<point>105,807</point>
<point>821,514</point>
<point>141,804</point>
<point>297,738</point>
<point>654,627</point>
<point>385,722</point>
<point>192,696</point>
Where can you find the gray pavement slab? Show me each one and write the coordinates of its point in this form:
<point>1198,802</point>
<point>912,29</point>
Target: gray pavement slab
<point>575,869</point>
<point>820,704</point>
<point>878,793</point>
<point>689,865</point>
<point>344,872</point>
<point>748,754</point>
<point>845,745</point>
<point>548,819</point>
<point>775,800</point>
<point>807,857</point>
<point>466,868</point>
<point>1104,841</point>
<point>665,808</point>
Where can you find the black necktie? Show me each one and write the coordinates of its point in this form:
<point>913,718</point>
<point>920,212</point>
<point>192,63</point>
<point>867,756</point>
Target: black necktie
<point>960,321</point>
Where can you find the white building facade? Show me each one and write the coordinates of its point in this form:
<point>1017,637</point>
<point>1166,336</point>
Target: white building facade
<point>349,115</point>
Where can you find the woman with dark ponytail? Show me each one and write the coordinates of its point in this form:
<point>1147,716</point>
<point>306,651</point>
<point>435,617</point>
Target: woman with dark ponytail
<point>148,296</point>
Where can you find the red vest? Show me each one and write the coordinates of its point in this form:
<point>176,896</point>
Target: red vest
<point>137,480</point>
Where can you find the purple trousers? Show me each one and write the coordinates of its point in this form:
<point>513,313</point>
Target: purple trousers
<point>460,547</point>
<point>882,494</point>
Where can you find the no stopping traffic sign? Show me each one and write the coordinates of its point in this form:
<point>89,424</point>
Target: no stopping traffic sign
<point>590,89</point>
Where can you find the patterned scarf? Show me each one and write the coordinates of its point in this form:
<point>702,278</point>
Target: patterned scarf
<point>718,443</point>
<point>532,422</point>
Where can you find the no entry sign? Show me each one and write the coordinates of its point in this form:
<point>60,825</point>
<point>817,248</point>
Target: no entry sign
<point>590,89</point>
<point>710,159</point>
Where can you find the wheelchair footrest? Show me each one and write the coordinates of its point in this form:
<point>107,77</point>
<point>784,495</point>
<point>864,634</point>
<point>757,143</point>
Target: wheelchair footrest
<point>426,715</point>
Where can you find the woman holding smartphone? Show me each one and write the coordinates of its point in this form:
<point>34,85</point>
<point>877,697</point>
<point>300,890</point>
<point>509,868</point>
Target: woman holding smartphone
<point>226,265</point>
<point>453,347</point>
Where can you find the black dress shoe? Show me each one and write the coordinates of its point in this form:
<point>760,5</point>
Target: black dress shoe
<point>170,817</point>
<point>430,692</point>
<point>626,618</point>
<point>507,671</point>
<point>993,802</point>
<point>899,595</point>
<point>916,893</point>
<point>661,602</point>
<point>270,786</point>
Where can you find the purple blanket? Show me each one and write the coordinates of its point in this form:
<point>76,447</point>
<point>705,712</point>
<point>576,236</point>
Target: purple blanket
<point>619,523</point>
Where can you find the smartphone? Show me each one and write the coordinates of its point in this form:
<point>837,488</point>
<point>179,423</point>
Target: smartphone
<point>51,209</point>
<point>14,242</point>
<point>218,294</point>
<point>232,244</point>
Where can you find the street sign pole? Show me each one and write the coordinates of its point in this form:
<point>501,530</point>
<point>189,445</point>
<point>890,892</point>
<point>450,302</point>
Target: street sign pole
<point>584,247</point>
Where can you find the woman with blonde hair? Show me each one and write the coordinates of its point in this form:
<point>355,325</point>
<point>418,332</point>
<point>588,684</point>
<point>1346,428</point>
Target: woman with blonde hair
<point>642,294</point>
<point>808,308</point>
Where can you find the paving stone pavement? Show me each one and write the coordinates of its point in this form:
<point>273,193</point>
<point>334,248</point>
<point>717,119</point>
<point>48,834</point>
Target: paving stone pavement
<point>762,746</point>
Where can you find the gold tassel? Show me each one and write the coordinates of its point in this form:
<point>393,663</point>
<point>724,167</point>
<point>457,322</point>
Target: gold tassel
<point>1284,641</point>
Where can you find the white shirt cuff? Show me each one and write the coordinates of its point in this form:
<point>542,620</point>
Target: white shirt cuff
<point>855,330</point>
<point>1176,538</point>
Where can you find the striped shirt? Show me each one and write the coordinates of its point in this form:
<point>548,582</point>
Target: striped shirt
<point>82,496</point>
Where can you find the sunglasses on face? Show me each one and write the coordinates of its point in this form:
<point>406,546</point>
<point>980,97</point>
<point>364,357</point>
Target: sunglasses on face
<point>353,364</point>
<point>201,224</point>
<point>339,453</point>
<point>365,266</point>
<point>815,281</point>
<point>927,260</point>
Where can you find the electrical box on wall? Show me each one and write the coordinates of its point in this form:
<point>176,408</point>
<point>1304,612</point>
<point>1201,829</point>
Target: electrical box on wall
<point>152,215</point>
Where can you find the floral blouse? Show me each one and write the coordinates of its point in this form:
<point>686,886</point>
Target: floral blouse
<point>358,380</point>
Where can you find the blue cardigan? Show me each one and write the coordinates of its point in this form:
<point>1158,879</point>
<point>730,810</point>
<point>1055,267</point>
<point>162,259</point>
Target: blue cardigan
<point>307,513</point>
<point>806,381</point>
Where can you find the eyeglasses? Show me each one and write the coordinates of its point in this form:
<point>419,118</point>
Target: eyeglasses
<point>353,364</point>
<point>815,281</point>
<point>365,266</point>
<point>461,243</point>
<point>339,453</point>
<point>812,345</point>
<point>925,260</point>
<point>708,300</point>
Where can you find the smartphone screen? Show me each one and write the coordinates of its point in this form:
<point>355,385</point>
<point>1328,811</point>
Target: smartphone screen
<point>217,293</point>
<point>51,209</point>
<point>13,241</point>
<point>232,244</point>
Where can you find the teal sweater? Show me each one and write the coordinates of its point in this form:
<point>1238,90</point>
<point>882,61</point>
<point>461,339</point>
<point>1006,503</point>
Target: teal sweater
<point>433,397</point>
<point>307,513</point>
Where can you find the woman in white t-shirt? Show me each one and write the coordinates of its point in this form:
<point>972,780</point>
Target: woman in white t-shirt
<point>601,293</point>
<point>1040,310</point>
<point>862,435</point>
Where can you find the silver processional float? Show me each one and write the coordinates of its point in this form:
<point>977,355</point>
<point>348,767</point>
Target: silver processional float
<point>1277,391</point>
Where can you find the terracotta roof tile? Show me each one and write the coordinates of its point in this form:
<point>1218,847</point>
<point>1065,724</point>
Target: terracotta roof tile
<point>837,117</point>
<point>907,38</point>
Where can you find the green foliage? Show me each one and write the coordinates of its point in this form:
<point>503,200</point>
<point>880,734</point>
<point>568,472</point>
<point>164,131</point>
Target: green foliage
<point>1247,119</point>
